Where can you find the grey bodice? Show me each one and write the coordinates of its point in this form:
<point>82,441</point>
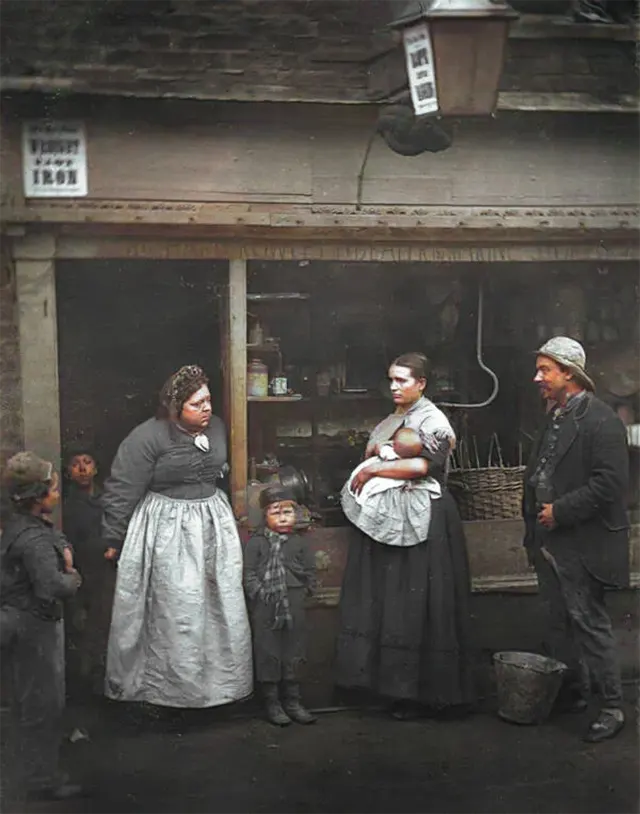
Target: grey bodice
<point>158,457</point>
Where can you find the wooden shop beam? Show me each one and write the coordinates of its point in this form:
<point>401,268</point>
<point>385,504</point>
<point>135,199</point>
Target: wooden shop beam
<point>374,251</point>
<point>566,103</point>
<point>231,219</point>
<point>236,381</point>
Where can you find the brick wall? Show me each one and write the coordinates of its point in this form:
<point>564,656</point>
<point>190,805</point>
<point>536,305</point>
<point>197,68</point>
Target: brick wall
<point>273,50</point>
<point>11,437</point>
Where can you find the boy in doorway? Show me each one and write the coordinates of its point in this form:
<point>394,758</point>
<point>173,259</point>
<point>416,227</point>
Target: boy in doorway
<point>90,616</point>
<point>279,572</point>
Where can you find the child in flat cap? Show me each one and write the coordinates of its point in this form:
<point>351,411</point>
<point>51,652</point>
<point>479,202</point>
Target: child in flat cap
<point>279,570</point>
<point>37,576</point>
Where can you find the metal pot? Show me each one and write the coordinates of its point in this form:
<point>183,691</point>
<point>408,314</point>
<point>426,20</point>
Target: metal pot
<point>295,480</point>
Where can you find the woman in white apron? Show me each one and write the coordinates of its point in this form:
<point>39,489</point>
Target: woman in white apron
<point>180,633</point>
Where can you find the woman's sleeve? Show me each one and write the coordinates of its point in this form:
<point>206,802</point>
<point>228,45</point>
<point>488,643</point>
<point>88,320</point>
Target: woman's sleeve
<point>131,474</point>
<point>219,439</point>
<point>436,446</point>
<point>370,449</point>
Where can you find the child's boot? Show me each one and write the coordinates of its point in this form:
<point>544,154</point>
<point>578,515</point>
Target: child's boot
<point>293,706</point>
<point>272,706</point>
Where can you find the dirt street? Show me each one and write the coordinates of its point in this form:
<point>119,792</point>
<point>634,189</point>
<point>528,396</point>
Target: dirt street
<point>223,761</point>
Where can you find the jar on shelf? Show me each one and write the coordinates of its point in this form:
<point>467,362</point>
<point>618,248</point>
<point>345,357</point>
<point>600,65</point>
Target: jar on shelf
<point>279,385</point>
<point>257,379</point>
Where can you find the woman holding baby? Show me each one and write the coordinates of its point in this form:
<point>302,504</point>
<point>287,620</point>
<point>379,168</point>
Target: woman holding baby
<point>405,592</point>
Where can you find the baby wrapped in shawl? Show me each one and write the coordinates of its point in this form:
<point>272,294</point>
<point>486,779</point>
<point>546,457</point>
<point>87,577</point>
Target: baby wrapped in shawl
<point>373,510</point>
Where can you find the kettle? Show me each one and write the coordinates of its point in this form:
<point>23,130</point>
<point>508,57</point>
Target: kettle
<point>295,480</point>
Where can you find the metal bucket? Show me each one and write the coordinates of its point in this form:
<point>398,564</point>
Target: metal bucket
<point>528,685</point>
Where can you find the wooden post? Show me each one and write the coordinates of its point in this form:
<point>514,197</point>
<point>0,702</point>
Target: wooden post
<point>38,331</point>
<point>237,383</point>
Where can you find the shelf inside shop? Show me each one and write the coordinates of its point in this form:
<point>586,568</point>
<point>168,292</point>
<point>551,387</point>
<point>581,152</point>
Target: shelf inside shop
<point>322,399</point>
<point>301,444</point>
<point>353,397</point>
<point>277,296</point>
<point>273,399</point>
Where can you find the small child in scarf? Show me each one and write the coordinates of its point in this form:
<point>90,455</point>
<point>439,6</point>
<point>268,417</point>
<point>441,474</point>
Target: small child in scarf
<point>279,570</point>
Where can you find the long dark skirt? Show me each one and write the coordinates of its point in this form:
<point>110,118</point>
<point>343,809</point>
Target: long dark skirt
<point>278,654</point>
<point>37,696</point>
<point>404,616</point>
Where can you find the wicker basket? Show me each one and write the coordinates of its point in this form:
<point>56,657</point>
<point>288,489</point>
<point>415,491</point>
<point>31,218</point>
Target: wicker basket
<point>490,493</point>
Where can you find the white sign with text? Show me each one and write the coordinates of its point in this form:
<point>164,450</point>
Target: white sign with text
<point>54,159</point>
<point>421,69</point>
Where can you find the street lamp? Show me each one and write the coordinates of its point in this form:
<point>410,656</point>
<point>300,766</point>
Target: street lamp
<point>454,52</point>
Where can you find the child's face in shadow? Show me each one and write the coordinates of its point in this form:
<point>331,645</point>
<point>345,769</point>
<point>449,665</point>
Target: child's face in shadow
<point>82,470</point>
<point>281,516</point>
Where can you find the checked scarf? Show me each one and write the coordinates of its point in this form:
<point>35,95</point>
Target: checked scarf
<point>274,581</point>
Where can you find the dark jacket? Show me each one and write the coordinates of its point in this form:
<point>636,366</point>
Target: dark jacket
<point>589,485</point>
<point>33,575</point>
<point>82,524</point>
<point>297,557</point>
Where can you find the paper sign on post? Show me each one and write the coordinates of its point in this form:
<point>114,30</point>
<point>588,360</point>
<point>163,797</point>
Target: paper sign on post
<point>421,69</point>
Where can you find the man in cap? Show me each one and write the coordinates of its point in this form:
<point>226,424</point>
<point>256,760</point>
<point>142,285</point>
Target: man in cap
<point>577,527</point>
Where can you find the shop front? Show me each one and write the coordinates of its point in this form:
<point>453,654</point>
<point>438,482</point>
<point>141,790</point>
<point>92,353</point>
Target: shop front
<point>295,262</point>
<point>298,351</point>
